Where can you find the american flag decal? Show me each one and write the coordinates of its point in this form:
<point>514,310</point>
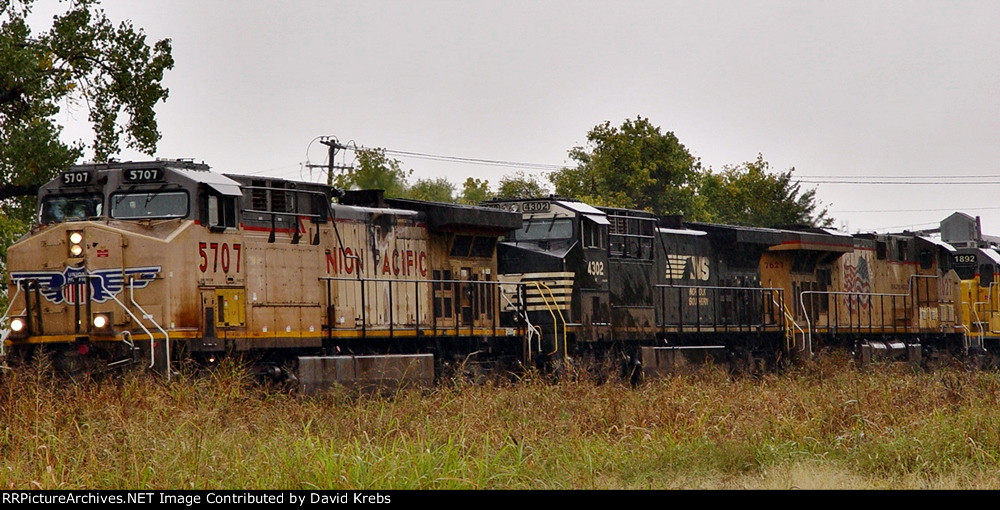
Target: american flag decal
<point>857,279</point>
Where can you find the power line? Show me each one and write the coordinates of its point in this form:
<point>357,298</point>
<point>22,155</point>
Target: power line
<point>900,176</point>
<point>474,161</point>
<point>910,183</point>
<point>932,224</point>
<point>945,209</point>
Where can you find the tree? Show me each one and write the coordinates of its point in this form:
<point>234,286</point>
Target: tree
<point>520,185</point>
<point>475,191</point>
<point>750,194</point>
<point>432,190</point>
<point>82,59</point>
<point>375,171</point>
<point>634,166</point>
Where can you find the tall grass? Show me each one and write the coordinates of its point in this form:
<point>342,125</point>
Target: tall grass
<point>824,425</point>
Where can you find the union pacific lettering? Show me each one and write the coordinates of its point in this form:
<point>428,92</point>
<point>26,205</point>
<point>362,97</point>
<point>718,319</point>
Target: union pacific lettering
<point>404,263</point>
<point>395,263</point>
<point>344,261</point>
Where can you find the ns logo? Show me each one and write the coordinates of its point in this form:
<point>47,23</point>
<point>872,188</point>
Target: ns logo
<point>687,267</point>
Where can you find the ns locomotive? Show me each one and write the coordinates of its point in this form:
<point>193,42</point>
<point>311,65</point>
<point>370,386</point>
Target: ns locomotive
<point>661,291</point>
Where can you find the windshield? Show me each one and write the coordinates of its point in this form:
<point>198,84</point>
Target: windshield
<point>545,228</point>
<point>134,206</point>
<point>62,208</point>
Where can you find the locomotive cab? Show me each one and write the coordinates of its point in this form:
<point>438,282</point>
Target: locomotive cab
<point>557,266</point>
<point>95,270</point>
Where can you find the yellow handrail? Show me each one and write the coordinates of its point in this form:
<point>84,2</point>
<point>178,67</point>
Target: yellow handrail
<point>790,324</point>
<point>555,323</point>
<point>563,319</point>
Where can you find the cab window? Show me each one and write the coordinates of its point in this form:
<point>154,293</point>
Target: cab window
<point>148,205</point>
<point>68,207</point>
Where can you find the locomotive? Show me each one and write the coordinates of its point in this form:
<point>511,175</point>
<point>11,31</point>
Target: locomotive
<point>151,262</point>
<point>160,261</point>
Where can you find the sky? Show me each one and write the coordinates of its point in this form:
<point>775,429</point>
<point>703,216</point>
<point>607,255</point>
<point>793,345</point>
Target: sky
<point>858,92</point>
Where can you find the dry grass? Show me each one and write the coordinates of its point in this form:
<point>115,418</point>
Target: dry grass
<point>826,425</point>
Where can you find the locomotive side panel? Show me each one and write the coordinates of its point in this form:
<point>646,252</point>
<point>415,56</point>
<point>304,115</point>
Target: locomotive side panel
<point>687,269</point>
<point>631,239</point>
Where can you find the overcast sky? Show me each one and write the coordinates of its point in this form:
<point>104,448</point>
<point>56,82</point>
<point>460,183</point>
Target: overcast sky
<point>907,89</point>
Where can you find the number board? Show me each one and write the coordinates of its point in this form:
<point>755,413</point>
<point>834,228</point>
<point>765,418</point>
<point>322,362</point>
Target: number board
<point>77,178</point>
<point>535,207</point>
<point>968,259</point>
<point>144,175</point>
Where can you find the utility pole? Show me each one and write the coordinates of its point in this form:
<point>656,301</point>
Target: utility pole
<point>333,146</point>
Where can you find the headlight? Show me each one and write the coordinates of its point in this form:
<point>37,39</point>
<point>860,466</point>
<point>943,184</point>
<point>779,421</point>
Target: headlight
<point>102,323</point>
<point>18,327</point>
<point>76,243</point>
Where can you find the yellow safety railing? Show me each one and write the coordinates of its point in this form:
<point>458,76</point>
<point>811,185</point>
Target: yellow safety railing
<point>550,306</point>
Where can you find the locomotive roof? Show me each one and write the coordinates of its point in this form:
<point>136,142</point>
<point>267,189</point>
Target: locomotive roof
<point>741,234</point>
<point>442,216</point>
<point>934,240</point>
<point>991,254</point>
<point>181,171</point>
<point>782,239</point>
<point>681,231</point>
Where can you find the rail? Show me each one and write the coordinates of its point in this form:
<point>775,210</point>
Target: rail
<point>461,307</point>
<point>807,312</point>
<point>530,329</point>
<point>152,341</point>
<point>740,307</point>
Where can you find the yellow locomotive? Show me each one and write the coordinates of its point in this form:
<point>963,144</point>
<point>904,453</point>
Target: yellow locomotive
<point>151,261</point>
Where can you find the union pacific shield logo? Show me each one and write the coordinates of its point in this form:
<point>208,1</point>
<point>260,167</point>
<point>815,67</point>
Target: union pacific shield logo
<point>71,284</point>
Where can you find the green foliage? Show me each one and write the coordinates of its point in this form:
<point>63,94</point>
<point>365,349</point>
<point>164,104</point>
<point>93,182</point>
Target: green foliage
<point>475,191</point>
<point>432,190</point>
<point>520,185</point>
<point>634,166</point>
<point>375,171</point>
<point>750,194</point>
<point>637,166</point>
<point>82,59</point>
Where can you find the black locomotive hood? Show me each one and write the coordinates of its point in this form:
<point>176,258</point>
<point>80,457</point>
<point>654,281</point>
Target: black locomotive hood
<point>526,257</point>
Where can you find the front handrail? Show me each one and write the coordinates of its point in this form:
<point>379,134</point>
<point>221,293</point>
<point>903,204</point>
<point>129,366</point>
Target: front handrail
<point>149,316</point>
<point>555,324</point>
<point>4,330</point>
<point>789,320</point>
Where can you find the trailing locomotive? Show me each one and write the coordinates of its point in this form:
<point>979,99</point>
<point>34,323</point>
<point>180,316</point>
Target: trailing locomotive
<point>661,291</point>
<point>152,261</point>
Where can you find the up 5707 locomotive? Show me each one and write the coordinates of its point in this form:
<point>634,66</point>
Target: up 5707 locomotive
<point>151,261</point>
